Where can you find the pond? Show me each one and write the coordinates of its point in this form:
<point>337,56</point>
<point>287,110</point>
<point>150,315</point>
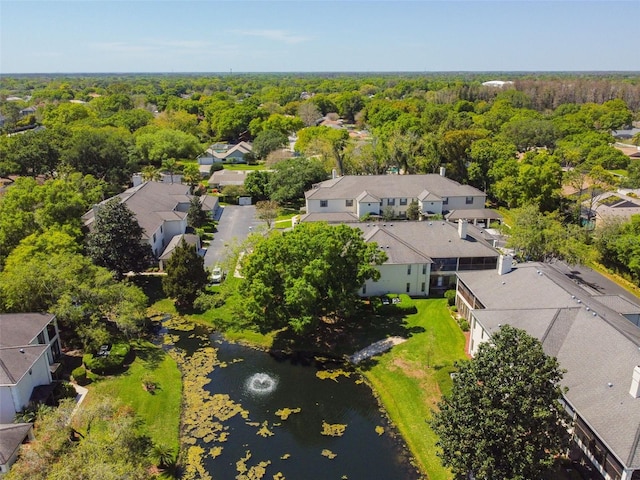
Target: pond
<point>279,416</point>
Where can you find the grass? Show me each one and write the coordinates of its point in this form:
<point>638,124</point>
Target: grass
<point>410,379</point>
<point>243,166</point>
<point>160,410</point>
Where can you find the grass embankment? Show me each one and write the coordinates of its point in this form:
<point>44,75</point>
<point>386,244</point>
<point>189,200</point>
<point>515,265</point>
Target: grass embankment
<point>159,409</point>
<point>411,378</point>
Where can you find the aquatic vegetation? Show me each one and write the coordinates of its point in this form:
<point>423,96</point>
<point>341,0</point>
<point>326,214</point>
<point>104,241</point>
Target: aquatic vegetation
<point>379,430</point>
<point>264,430</point>
<point>329,454</point>
<point>286,456</point>
<point>179,323</point>
<point>215,451</point>
<point>255,472</point>
<point>284,413</point>
<point>194,468</point>
<point>279,476</point>
<point>333,430</point>
<point>332,374</point>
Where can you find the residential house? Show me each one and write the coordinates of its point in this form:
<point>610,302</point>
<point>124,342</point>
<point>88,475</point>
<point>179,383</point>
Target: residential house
<point>595,338</point>
<point>29,354</point>
<point>222,152</point>
<point>355,197</point>
<point>621,204</point>
<point>225,177</point>
<point>161,210</point>
<point>423,257</point>
<point>175,242</point>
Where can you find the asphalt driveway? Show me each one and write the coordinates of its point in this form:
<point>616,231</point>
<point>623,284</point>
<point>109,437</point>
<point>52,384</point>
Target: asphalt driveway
<point>235,222</point>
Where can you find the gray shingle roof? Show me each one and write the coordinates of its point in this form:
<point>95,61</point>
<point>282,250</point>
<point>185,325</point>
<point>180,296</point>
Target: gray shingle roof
<point>17,329</point>
<point>11,437</point>
<point>597,346</point>
<point>15,362</point>
<point>436,239</point>
<point>390,186</point>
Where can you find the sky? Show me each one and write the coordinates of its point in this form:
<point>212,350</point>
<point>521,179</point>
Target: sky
<point>117,36</point>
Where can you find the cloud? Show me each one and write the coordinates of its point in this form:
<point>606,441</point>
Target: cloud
<point>277,35</point>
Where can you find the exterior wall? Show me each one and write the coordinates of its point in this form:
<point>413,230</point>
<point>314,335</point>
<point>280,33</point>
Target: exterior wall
<point>158,245</point>
<point>333,206</point>
<point>368,207</point>
<point>399,205</point>
<point>394,279</point>
<point>21,392</point>
<point>477,336</point>
<point>460,203</point>
<point>235,157</point>
<point>7,412</point>
<point>205,160</point>
<point>173,228</point>
<point>431,206</point>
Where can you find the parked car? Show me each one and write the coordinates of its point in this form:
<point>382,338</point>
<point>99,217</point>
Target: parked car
<point>217,274</point>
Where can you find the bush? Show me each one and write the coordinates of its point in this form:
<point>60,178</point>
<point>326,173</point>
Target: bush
<point>454,308</point>
<point>80,374</point>
<point>450,295</point>
<point>107,363</point>
<point>464,325</point>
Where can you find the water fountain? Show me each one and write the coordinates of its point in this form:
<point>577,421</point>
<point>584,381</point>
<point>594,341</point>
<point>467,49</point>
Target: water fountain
<point>261,383</point>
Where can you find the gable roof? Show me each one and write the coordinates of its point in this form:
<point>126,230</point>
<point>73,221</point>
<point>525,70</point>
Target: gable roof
<point>11,437</point>
<point>17,329</point>
<point>152,203</point>
<point>15,362</point>
<point>597,346</point>
<point>420,242</point>
<point>391,186</point>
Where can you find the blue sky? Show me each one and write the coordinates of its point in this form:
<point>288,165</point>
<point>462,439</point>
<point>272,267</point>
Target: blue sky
<point>316,36</point>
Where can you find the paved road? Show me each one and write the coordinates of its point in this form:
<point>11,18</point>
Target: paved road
<point>235,222</point>
<point>593,282</point>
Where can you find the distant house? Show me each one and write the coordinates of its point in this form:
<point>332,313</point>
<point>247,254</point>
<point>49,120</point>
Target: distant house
<point>358,196</point>
<point>222,152</point>
<point>190,239</point>
<point>621,204</point>
<point>161,210</point>
<point>29,354</point>
<point>423,257</point>
<point>596,339</point>
<point>222,178</point>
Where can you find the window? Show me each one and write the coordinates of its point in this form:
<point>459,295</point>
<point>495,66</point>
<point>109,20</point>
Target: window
<point>468,200</point>
<point>348,203</point>
<point>423,287</point>
<point>424,269</point>
<point>445,201</point>
<point>160,228</point>
<point>403,201</point>
<point>364,289</point>
<point>391,202</point>
<point>41,340</point>
<point>154,238</point>
<point>408,269</point>
<point>408,287</point>
<point>324,203</point>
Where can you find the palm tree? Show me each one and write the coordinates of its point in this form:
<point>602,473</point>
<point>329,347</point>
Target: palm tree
<point>150,174</point>
<point>170,165</point>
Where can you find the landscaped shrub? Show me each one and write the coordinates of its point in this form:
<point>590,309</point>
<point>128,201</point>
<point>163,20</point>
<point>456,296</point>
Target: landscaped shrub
<point>454,308</point>
<point>80,375</point>
<point>464,325</point>
<point>102,364</point>
<point>65,390</point>
<point>450,295</point>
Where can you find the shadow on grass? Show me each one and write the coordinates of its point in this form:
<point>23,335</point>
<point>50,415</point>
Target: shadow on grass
<point>151,285</point>
<point>150,355</point>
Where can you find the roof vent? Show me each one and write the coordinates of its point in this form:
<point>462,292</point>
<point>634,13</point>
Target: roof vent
<point>609,384</point>
<point>594,314</point>
<point>579,301</point>
<point>22,350</point>
<point>588,309</point>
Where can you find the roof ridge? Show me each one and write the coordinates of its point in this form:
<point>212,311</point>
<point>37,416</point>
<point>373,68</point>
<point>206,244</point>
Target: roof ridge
<point>395,237</point>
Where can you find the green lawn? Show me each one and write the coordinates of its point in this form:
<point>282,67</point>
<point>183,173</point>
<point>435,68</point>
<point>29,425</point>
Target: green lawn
<point>160,410</point>
<point>243,166</point>
<point>410,379</point>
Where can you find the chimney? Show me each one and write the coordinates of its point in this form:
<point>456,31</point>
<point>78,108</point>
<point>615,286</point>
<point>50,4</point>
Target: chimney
<point>442,171</point>
<point>136,179</point>
<point>462,228</point>
<point>505,263</point>
<point>334,173</point>
<point>634,391</point>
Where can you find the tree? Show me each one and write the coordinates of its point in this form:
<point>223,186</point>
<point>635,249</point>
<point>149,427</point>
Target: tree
<point>186,275</point>
<point>503,419</point>
<point>267,210</point>
<point>196,216</point>
<point>294,176</point>
<point>413,210</point>
<point>191,176</point>
<point>115,241</point>
<point>297,277</point>
<point>256,184</point>
<point>267,141</point>
<point>309,113</point>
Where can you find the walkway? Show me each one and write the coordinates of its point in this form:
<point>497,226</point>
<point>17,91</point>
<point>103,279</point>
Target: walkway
<point>376,348</point>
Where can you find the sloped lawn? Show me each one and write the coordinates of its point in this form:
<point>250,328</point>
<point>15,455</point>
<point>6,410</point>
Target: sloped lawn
<point>410,379</point>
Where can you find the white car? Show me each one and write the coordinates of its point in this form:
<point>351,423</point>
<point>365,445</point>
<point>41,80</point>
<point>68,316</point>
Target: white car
<point>217,275</point>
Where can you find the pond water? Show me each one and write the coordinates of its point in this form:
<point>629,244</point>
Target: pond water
<point>295,447</point>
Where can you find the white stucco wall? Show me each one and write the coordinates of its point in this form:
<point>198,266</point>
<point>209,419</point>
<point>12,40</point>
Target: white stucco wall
<point>333,206</point>
<point>430,206</point>
<point>20,393</point>
<point>460,203</point>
